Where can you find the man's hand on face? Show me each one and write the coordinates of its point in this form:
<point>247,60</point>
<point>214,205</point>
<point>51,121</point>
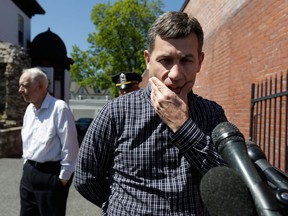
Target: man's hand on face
<point>172,108</point>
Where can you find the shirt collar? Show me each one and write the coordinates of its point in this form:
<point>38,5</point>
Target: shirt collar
<point>45,102</point>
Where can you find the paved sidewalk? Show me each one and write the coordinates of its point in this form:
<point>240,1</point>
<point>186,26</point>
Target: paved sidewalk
<point>10,174</point>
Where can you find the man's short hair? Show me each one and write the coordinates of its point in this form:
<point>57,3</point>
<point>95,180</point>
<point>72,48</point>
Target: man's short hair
<point>37,75</point>
<point>173,25</point>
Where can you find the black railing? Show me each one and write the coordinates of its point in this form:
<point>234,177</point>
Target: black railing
<point>269,119</point>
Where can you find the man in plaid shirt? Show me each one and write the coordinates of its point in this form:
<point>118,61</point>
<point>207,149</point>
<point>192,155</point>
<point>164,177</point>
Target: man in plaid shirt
<point>146,151</point>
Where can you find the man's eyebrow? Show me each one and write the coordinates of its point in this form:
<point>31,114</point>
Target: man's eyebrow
<point>164,55</point>
<point>188,56</point>
<point>24,83</point>
<point>182,56</point>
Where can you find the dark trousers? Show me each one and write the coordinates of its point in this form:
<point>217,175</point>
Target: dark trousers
<point>41,191</point>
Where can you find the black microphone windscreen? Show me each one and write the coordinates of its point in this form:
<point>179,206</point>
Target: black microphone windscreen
<point>224,193</point>
<point>224,131</point>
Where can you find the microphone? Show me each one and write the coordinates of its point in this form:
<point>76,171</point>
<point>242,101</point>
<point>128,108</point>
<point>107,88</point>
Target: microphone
<point>224,193</point>
<point>275,177</point>
<point>230,144</point>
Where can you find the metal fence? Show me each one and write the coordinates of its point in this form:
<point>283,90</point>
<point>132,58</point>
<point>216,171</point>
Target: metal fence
<point>269,119</point>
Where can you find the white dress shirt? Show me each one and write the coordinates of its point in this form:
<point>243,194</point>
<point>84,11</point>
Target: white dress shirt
<point>49,134</point>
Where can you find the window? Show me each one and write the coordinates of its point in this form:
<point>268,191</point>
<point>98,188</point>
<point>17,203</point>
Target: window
<point>20,30</point>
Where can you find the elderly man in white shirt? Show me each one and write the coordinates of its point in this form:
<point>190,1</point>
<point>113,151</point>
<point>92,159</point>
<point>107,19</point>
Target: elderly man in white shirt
<point>50,148</point>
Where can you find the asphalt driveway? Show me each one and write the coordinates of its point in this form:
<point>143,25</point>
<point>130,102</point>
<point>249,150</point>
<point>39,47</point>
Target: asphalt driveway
<point>10,174</point>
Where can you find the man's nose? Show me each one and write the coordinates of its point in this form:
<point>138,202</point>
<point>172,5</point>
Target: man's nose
<point>20,90</point>
<point>175,72</point>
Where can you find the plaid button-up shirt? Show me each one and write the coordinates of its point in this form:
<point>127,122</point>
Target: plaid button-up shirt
<point>131,163</point>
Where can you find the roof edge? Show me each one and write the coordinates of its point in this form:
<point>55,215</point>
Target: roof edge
<point>184,5</point>
<point>29,7</point>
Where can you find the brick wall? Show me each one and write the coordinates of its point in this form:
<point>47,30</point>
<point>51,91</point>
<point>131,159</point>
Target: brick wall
<point>245,42</point>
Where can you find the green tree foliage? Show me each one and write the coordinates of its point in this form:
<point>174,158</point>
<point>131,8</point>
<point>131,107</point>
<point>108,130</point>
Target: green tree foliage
<point>117,44</point>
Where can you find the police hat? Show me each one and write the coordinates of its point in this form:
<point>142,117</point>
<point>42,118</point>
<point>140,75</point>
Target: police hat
<point>124,80</point>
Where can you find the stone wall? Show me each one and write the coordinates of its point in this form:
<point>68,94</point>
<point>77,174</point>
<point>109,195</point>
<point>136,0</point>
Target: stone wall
<point>10,142</point>
<point>13,59</point>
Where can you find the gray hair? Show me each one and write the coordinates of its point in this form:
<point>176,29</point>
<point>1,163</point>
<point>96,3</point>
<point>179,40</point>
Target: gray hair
<point>173,25</point>
<point>37,75</point>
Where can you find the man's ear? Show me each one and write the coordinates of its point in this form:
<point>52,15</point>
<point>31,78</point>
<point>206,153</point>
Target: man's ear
<point>201,59</point>
<point>147,58</point>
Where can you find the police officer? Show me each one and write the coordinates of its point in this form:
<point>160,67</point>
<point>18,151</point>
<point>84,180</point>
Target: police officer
<point>127,82</point>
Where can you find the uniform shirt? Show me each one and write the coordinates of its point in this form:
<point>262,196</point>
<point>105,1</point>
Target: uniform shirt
<point>49,134</point>
<point>131,163</point>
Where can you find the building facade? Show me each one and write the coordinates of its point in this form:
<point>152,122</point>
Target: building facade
<point>15,21</point>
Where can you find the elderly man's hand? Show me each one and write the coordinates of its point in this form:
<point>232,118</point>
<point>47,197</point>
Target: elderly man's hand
<point>64,181</point>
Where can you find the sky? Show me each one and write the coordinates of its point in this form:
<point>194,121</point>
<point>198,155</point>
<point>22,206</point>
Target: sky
<point>70,19</point>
